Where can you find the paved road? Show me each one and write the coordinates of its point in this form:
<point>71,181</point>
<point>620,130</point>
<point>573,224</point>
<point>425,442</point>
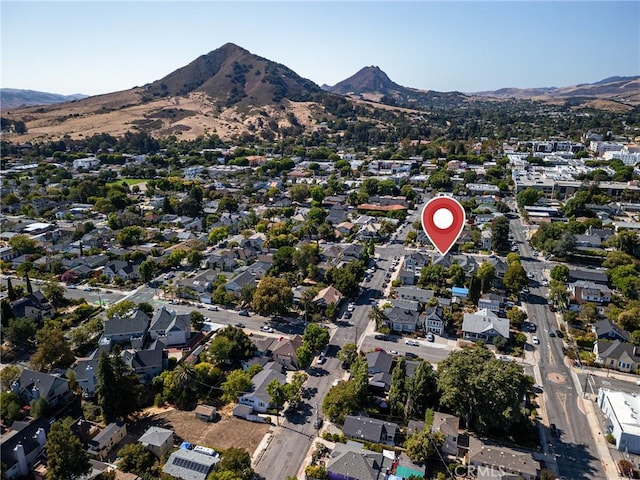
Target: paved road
<point>574,448</point>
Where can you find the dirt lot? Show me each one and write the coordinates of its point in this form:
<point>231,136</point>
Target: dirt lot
<point>226,432</point>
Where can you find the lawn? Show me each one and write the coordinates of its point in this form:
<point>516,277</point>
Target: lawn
<point>128,181</point>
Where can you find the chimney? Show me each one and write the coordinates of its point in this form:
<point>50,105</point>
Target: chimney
<point>20,457</point>
<point>40,436</point>
<point>35,392</point>
<point>15,387</point>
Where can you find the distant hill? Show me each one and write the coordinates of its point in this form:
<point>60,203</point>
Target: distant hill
<point>232,75</point>
<point>371,83</point>
<point>13,97</point>
<point>235,94</point>
<point>619,89</point>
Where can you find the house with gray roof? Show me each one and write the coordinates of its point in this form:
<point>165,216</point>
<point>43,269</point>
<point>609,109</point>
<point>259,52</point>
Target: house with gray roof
<point>414,293</point>
<point>130,329</point>
<point>619,355</point>
<point>507,462</point>
<point>32,385</point>
<point>259,399</point>
<point>369,429</point>
<point>157,440</point>
<point>448,426</point>
<point>402,320</point>
<point>245,278</point>
<point>190,465</point>
<point>169,327</point>
<point>357,464</point>
<point>484,325</point>
<point>434,321</point>
<point>588,275</point>
<point>34,306</point>
<point>21,445</point>
<point>607,330</point>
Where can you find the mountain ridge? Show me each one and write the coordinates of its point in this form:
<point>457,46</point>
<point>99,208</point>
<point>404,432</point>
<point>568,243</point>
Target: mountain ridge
<point>232,93</point>
<point>17,97</point>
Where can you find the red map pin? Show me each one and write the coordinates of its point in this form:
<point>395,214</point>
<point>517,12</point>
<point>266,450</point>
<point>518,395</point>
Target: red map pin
<point>443,220</point>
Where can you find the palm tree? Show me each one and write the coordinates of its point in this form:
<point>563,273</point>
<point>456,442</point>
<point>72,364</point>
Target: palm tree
<point>377,315</point>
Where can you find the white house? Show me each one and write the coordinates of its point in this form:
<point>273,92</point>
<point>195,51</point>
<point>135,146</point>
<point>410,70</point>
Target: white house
<point>258,398</point>
<point>622,411</point>
<point>484,325</point>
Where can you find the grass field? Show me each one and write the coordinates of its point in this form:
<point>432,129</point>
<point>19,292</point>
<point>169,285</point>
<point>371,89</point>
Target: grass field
<point>128,181</point>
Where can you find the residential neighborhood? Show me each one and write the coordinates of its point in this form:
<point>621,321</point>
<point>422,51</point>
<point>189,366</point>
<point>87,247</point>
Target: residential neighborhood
<point>209,309</point>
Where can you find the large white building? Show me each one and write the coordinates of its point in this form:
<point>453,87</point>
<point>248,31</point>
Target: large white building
<point>622,411</point>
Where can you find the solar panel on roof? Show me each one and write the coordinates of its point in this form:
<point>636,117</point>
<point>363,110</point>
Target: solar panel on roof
<point>190,465</point>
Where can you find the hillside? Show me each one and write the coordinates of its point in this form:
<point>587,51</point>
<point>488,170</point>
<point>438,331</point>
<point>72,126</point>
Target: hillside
<point>14,97</point>
<point>371,83</point>
<point>228,91</point>
<point>625,90</point>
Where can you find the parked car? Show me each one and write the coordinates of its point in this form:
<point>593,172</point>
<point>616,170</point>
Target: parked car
<point>410,355</point>
<point>554,430</point>
<point>321,359</point>
<point>243,313</point>
<point>559,334</point>
<point>317,423</point>
<point>536,341</point>
<point>266,328</point>
<point>430,337</point>
<point>379,336</point>
<point>213,308</point>
<point>393,352</point>
<point>413,343</point>
<point>240,325</point>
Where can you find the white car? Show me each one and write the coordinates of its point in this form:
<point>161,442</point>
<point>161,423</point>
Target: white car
<point>393,352</point>
<point>413,343</point>
<point>536,341</point>
<point>545,283</point>
<point>335,382</point>
<point>351,307</point>
<point>266,328</point>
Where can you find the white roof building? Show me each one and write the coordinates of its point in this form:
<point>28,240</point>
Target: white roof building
<point>622,411</point>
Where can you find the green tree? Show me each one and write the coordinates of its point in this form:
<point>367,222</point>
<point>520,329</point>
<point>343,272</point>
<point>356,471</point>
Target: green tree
<point>11,293</point>
<point>120,309</point>
<point>27,283</point>
<point>340,400</point>
<point>299,192</point>
<point>68,459</point>
<point>136,458</point>
<point>359,382</point>
<point>235,461</point>
<point>273,296</point>
<point>217,234</point>
<point>398,389</point>
<point>466,376</point>
<point>54,293</point>
<point>528,197</point>
<point>560,273</point>
<point>487,274</point>
<point>147,269</point>
<point>38,408</point>
<point>423,445</point>
<point>516,316</point>
<point>457,275</point>
<point>10,407</point>
<point>635,337</point>
<point>197,320</point>
<point>304,355</point>
<point>422,391</point>
<point>53,350</point>
<point>315,337</point>
<point>23,244</point>
<point>231,345</point>
<point>194,258</point>
<point>21,331</point>
<point>238,381</point>
<point>348,353</point>
<point>515,278</point>
<point>8,374</point>
<point>118,387</point>
<point>500,234</point>
<point>129,236</point>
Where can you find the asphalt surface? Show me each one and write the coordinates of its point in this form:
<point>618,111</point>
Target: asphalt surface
<point>573,446</point>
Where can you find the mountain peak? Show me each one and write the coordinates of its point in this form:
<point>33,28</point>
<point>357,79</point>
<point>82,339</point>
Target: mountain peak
<point>232,75</point>
<point>366,80</point>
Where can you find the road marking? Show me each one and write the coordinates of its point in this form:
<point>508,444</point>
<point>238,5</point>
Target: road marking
<point>606,383</point>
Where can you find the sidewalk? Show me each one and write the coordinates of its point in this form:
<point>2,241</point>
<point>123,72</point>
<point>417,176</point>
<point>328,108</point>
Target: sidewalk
<point>602,446</point>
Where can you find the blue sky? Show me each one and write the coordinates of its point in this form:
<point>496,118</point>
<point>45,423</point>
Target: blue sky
<point>98,47</point>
